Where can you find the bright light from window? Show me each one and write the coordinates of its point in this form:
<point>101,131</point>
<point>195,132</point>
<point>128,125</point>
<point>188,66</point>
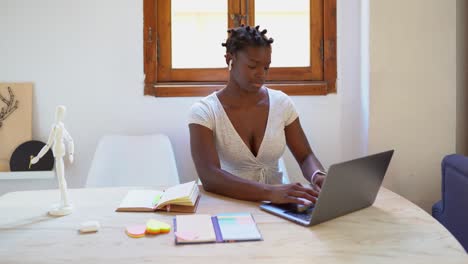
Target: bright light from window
<point>288,24</point>
<point>198,29</point>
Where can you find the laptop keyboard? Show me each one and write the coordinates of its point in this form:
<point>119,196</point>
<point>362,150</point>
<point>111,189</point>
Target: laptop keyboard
<point>306,215</point>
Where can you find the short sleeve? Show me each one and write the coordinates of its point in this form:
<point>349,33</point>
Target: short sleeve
<point>200,114</point>
<point>290,112</point>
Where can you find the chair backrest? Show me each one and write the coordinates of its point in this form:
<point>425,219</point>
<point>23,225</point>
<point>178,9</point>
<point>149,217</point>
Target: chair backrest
<point>122,160</point>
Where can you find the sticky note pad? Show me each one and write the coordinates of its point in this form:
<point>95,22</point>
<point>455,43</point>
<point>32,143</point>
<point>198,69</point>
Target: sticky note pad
<point>187,235</point>
<point>136,231</point>
<point>156,227</point>
<point>157,198</point>
<point>196,228</point>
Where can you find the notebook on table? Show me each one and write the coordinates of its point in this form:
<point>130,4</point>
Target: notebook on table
<point>181,198</point>
<point>203,228</point>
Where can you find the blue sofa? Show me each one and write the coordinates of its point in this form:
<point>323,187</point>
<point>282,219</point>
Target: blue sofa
<point>452,210</point>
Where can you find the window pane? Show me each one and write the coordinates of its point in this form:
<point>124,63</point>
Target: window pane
<point>288,24</point>
<point>198,29</point>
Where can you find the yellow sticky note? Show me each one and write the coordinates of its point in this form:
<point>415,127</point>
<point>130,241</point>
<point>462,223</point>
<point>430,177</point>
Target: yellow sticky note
<point>156,227</point>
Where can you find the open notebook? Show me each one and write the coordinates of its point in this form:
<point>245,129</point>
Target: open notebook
<point>179,198</point>
<point>203,228</point>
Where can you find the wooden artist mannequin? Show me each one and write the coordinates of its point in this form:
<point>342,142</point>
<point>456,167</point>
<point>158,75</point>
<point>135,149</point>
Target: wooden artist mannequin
<point>56,139</point>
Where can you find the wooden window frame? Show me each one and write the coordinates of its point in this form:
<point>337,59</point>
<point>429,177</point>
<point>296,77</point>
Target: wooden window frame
<point>164,82</point>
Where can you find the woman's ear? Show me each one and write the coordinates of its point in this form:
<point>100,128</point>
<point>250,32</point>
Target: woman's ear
<point>228,57</point>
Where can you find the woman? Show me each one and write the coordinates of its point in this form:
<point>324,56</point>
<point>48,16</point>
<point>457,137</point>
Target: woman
<point>238,134</point>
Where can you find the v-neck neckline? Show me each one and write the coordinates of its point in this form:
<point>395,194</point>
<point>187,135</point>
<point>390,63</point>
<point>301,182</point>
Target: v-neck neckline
<point>259,151</point>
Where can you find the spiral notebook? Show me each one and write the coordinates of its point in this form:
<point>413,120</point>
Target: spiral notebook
<point>226,227</point>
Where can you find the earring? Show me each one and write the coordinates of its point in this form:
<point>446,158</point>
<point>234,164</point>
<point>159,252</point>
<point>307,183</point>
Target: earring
<point>230,65</point>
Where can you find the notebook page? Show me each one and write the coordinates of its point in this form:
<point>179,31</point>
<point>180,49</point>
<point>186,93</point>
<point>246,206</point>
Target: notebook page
<point>140,199</point>
<point>238,227</point>
<point>178,192</point>
<point>195,193</point>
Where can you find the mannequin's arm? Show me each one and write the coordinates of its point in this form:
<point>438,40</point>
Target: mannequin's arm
<point>45,148</point>
<point>71,145</point>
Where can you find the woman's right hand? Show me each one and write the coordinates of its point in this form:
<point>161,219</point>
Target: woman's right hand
<point>292,193</point>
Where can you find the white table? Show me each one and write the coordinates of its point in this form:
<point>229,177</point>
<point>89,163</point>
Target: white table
<point>393,231</point>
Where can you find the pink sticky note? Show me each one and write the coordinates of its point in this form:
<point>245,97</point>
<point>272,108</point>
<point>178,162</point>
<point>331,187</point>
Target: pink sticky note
<point>136,231</point>
<point>186,235</point>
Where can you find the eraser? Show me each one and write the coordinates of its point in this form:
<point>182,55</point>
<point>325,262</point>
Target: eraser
<point>89,226</point>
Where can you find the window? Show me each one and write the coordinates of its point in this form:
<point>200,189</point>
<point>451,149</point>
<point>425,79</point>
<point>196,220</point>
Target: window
<point>183,55</point>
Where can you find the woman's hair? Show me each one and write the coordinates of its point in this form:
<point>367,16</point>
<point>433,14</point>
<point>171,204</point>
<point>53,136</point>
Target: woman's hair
<point>246,36</point>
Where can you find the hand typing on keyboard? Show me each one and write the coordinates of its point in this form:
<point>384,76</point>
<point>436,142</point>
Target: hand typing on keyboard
<point>292,193</point>
<point>300,208</point>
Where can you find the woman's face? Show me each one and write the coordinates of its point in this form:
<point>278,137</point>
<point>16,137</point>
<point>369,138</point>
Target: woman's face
<point>250,67</point>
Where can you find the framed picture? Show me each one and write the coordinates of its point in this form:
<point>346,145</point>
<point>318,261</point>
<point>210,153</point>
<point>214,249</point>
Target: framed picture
<point>15,117</point>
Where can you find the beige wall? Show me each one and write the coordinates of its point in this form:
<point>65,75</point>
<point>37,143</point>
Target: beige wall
<point>413,92</point>
<point>462,73</point>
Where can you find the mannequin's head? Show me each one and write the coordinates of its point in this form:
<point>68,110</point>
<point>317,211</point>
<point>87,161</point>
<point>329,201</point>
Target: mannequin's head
<point>60,113</point>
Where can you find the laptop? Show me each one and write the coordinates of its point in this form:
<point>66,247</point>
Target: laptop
<point>348,187</point>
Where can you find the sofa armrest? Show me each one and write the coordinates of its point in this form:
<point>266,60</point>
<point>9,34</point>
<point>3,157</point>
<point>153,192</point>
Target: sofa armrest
<point>457,166</point>
<point>457,162</point>
<point>454,213</point>
<point>437,210</point>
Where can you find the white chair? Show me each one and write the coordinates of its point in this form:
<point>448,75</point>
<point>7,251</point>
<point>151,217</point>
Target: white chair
<point>122,160</point>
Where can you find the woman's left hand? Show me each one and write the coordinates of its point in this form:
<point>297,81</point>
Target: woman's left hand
<point>319,179</point>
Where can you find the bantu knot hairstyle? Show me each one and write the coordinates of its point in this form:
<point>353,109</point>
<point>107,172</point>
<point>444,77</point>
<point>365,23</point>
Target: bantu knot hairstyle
<point>246,36</point>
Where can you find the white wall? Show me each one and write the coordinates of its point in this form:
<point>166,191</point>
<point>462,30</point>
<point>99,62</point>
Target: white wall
<point>462,77</point>
<point>87,55</point>
<point>413,92</point>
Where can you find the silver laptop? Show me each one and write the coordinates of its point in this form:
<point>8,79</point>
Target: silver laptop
<point>348,187</point>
